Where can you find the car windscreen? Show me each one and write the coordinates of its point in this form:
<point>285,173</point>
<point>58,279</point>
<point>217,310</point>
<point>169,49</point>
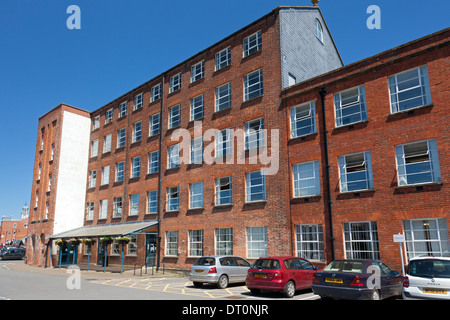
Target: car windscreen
<point>434,268</point>
<point>266,264</point>
<point>345,266</point>
<point>205,261</point>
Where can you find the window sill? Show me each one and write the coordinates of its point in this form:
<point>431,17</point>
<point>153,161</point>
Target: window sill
<point>356,191</point>
<point>226,205</point>
<point>409,112</point>
<point>303,199</point>
<point>428,186</point>
<point>247,203</point>
<point>350,126</point>
<point>308,136</point>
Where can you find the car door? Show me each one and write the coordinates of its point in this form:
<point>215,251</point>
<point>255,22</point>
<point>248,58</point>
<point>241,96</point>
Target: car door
<point>391,281</point>
<point>307,272</point>
<point>242,267</point>
<point>295,272</point>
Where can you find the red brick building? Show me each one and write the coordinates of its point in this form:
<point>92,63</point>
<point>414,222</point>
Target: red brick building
<point>227,153</point>
<point>385,123</point>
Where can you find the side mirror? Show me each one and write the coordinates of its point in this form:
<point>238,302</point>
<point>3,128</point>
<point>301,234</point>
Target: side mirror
<point>394,273</point>
<point>315,268</point>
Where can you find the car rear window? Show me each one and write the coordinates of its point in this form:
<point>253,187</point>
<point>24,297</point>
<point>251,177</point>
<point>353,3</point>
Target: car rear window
<point>266,264</point>
<point>205,261</point>
<point>345,266</point>
<point>430,268</point>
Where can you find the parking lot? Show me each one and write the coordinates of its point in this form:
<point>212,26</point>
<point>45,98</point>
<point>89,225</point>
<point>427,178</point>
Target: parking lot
<point>182,286</point>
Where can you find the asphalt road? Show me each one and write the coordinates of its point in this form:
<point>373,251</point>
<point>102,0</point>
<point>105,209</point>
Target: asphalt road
<point>18,283</point>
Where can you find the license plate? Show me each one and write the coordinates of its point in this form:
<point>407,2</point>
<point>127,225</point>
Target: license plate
<point>332,280</point>
<point>436,291</point>
<point>260,275</point>
<point>199,270</point>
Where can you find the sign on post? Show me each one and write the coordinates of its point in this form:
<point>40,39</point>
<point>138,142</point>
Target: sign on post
<point>400,238</point>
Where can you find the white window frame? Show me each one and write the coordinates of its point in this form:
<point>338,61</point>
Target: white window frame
<point>222,59</point>
<point>123,109</point>
<point>173,156</point>
<point>251,182</point>
<point>195,248</point>
<point>117,207</point>
<point>120,171</point>
<point>154,126</point>
<point>137,131</point>
<point>303,119</point>
<point>173,199</point>
<point>121,137</point>
<point>94,148</point>
<point>174,116</point>
<point>254,138</point>
<point>222,198</point>
<point>134,204</point>
<point>361,242</point>
<point>223,142</point>
<point>196,154</point>
<point>433,166</point>
<point>153,161</point>
<point>223,97</point>
<point>196,195</point>
<point>198,71</point>
<point>425,237</point>
<point>318,30</point>
<point>223,241</point>
<point>197,107</point>
<point>92,178</point>
<point>257,244</point>
<point>347,165</point>
<point>171,243</point>
<point>90,207</point>
<point>253,85</point>
<point>109,115</point>
<point>103,214</point>
<point>152,201</point>
<point>175,83</point>
<point>155,93</point>
<point>95,123</point>
<point>306,180</point>
<point>350,109</point>
<point>105,175</point>
<point>309,241</point>
<point>138,101</point>
<point>395,89</point>
<point>252,44</point>
<point>135,167</point>
<point>107,143</point>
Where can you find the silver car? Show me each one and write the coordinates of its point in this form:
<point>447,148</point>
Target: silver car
<point>221,270</point>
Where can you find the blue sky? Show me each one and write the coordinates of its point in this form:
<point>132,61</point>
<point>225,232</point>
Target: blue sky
<point>122,44</point>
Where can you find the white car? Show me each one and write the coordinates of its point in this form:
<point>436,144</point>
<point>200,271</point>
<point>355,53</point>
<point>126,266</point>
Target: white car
<point>427,278</point>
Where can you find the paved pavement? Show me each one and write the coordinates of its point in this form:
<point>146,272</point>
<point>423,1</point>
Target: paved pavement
<point>159,285</point>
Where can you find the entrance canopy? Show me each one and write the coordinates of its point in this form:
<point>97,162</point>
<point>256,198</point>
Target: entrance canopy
<point>117,229</point>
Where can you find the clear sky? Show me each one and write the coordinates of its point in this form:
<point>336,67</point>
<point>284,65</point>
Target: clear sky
<point>122,44</point>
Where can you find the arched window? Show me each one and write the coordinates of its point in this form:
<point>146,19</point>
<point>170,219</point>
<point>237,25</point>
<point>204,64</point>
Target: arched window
<point>319,30</point>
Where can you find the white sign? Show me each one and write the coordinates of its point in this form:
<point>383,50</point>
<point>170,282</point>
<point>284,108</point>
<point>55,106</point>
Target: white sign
<point>399,237</point>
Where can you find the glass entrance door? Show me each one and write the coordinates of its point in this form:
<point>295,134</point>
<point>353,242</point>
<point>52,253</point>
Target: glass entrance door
<point>150,249</point>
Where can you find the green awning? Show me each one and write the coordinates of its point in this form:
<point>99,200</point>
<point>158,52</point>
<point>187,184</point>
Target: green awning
<point>117,229</point>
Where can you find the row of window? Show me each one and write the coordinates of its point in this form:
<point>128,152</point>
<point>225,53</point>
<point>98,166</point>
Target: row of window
<point>252,84</point>
<point>255,191</point>
<point>423,237</point>
<point>407,90</point>
<point>417,163</point>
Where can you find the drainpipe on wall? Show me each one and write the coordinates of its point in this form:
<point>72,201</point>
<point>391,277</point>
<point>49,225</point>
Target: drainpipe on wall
<point>161,122</point>
<point>322,93</point>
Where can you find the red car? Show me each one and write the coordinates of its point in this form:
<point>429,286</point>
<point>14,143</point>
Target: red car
<point>284,274</point>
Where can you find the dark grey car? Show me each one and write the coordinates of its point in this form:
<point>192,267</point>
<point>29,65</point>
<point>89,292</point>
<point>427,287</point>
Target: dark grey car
<point>12,253</point>
<point>220,270</point>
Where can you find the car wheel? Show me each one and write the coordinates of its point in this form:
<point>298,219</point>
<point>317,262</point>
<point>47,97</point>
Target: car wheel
<point>255,291</point>
<point>198,284</point>
<point>289,289</point>
<point>375,295</point>
<point>223,282</point>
